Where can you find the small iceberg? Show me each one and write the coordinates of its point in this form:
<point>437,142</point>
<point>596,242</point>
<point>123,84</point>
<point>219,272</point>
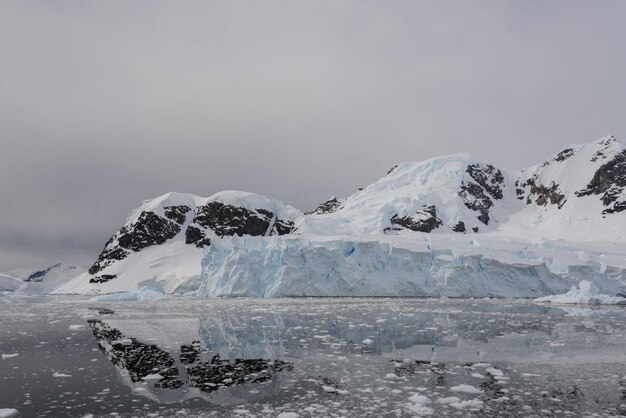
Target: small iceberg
<point>585,293</point>
<point>143,293</point>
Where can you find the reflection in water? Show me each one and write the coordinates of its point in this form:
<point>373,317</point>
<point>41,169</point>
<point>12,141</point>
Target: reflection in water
<point>147,363</point>
<point>316,357</point>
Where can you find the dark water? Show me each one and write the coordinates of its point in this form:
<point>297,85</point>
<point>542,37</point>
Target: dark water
<point>311,357</point>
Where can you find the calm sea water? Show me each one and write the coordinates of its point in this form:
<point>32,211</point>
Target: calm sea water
<point>310,357</point>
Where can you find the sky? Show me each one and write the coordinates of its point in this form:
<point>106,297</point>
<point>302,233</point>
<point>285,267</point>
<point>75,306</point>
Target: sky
<point>105,104</point>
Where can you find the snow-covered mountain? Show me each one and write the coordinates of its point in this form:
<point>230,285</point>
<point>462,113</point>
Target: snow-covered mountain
<point>453,225</point>
<point>40,281</point>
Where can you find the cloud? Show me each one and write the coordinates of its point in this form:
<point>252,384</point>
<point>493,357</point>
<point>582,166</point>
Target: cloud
<point>105,104</point>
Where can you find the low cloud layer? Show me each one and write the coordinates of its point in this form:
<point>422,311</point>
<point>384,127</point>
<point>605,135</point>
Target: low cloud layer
<point>104,104</point>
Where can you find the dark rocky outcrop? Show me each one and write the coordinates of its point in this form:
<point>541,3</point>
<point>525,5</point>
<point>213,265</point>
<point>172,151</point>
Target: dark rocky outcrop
<point>149,229</point>
<point>459,227</point>
<point>40,274</point>
<point>606,143</point>
<point>196,236</point>
<point>177,214</point>
<point>564,155</point>
<point>609,181</point>
<point>425,220</point>
<point>475,198</point>
<point>229,220</point>
<point>283,227</point>
<point>102,278</point>
<point>488,177</point>
<point>479,195</point>
<point>544,195</point>
<point>329,206</point>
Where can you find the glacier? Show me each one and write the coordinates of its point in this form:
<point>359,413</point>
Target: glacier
<point>451,226</point>
<point>295,267</point>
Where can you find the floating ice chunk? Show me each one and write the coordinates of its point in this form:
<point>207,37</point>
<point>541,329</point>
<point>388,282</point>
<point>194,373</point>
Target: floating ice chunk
<point>494,372</point>
<point>6,356</point>
<point>288,415</point>
<point>60,375</point>
<point>448,400</point>
<point>367,341</point>
<point>143,293</point>
<point>584,293</point>
<point>124,341</point>
<point>418,405</point>
<point>472,404</point>
<point>153,377</point>
<point>77,327</point>
<point>465,389</point>
<point>7,412</point>
<point>420,399</point>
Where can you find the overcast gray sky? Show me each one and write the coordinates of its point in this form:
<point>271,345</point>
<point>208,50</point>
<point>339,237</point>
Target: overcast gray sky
<point>106,103</point>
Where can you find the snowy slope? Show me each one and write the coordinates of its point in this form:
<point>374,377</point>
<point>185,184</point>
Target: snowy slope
<point>446,184</point>
<point>449,226</point>
<point>10,283</point>
<point>163,241</point>
<point>41,281</point>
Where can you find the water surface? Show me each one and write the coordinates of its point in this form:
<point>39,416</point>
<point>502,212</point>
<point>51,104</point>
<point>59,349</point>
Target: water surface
<point>312,357</point>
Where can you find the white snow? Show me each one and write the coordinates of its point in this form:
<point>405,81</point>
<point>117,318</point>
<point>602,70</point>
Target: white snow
<point>288,415</point>
<point>6,356</point>
<point>7,412</point>
<point>10,283</point>
<point>465,389</point>
<point>585,293</point>
<point>44,280</point>
<point>77,327</point>
<point>418,405</point>
<point>471,403</point>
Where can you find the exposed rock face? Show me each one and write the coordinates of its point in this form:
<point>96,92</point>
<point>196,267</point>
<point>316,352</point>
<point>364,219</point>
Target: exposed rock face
<point>459,227</point>
<point>195,235</point>
<point>489,178</point>
<point>424,220</point>
<point>479,195</point>
<point>540,194</point>
<point>329,206</point>
<point>283,227</point>
<point>149,229</point>
<point>102,278</point>
<point>229,220</point>
<point>39,275</point>
<point>610,182</point>
<point>177,214</point>
<point>564,155</point>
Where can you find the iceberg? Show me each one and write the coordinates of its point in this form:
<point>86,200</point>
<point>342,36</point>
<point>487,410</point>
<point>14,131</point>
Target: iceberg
<point>585,293</point>
<point>143,293</point>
